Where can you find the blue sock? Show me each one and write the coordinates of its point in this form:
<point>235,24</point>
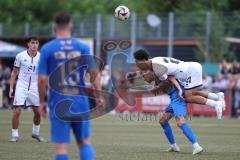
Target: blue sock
<point>168,132</point>
<point>187,131</point>
<point>61,157</point>
<point>87,152</point>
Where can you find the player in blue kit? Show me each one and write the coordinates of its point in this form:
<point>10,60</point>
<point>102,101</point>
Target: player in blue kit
<point>177,109</point>
<point>55,53</point>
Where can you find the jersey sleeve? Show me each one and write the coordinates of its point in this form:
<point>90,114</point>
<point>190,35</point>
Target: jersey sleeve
<point>91,61</point>
<point>159,69</point>
<point>17,62</point>
<point>43,62</point>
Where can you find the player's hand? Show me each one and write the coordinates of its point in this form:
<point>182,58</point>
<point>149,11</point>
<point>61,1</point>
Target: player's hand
<point>100,103</point>
<point>180,94</point>
<point>155,91</point>
<point>10,93</point>
<point>43,110</point>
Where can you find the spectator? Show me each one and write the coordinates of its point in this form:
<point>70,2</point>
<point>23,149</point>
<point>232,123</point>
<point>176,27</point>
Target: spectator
<point>224,68</point>
<point>207,81</point>
<point>235,68</point>
<point>105,77</point>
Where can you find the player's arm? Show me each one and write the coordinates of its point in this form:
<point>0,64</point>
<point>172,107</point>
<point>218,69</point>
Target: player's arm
<point>162,88</point>
<point>12,81</point>
<point>42,83</point>
<point>173,80</point>
<point>95,81</point>
<point>43,79</point>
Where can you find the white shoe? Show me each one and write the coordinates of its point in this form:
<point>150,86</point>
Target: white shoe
<point>14,139</point>
<point>219,109</point>
<point>174,148</point>
<point>38,138</point>
<point>221,97</point>
<point>197,150</point>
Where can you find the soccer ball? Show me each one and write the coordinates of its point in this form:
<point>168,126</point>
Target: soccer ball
<point>122,13</point>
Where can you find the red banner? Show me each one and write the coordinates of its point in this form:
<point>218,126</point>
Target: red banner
<point>158,103</point>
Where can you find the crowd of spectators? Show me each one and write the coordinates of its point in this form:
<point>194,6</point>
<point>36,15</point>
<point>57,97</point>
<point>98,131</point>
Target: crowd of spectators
<point>228,81</point>
<point>5,73</point>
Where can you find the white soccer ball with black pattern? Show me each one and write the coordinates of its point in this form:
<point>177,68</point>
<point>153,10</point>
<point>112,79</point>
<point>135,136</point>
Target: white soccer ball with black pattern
<point>122,13</point>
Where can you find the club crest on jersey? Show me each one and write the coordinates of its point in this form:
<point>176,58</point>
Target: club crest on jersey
<point>25,60</point>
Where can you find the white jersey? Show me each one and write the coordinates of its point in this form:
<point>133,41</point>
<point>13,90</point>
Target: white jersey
<point>164,66</point>
<point>28,67</point>
<point>188,73</point>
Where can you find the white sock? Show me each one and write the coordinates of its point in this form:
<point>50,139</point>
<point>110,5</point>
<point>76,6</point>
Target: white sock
<point>211,103</point>
<point>15,133</point>
<point>213,96</point>
<point>36,129</point>
<point>195,145</point>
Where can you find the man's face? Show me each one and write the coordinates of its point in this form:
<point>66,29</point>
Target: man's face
<point>142,65</point>
<point>148,76</point>
<point>33,45</point>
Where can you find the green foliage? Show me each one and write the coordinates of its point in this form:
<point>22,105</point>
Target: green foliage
<point>189,16</point>
<point>43,10</point>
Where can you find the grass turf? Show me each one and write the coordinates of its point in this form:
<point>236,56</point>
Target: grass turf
<point>118,138</point>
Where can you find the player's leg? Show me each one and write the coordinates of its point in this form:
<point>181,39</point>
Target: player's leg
<point>167,115</point>
<point>179,111</point>
<point>15,123</point>
<point>61,151</point>
<point>82,132</point>
<point>19,100</point>
<point>209,95</point>
<point>193,95</point>
<point>86,149</point>
<point>36,124</point>
<point>60,136</point>
<point>33,100</point>
<point>187,131</point>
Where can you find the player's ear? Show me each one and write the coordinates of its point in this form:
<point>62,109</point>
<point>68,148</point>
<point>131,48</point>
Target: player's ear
<point>71,27</point>
<point>54,28</point>
<point>28,44</point>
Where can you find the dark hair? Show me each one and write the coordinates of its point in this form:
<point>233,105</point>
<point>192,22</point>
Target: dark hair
<point>32,38</point>
<point>62,19</point>
<point>141,54</point>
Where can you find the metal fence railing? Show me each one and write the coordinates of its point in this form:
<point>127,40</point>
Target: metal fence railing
<point>208,27</point>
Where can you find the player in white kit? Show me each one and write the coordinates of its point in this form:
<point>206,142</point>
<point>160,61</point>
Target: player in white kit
<point>26,92</point>
<point>189,73</point>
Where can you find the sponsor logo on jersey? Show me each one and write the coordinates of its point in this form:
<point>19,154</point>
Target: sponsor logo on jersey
<point>73,54</point>
<point>59,55</point>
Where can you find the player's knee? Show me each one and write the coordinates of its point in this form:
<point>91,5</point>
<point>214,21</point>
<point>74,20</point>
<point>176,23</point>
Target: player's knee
<point>17,112</point>
<point>189,98</point>
<point>162,121</point>
<point>84,141</point>
<point>61,148</point>
<point>37,114</point>
<point>180,120</point>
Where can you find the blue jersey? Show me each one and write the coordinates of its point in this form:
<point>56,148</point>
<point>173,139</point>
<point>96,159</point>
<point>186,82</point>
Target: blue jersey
<point>177,106</point>
<point>54,54</point>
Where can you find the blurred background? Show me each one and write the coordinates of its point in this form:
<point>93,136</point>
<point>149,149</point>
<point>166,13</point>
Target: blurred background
<point>201,30</point>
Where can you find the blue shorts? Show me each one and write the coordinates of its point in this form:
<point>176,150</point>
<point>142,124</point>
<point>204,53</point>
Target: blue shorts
<point>177,106</point>
<point>61,130</point>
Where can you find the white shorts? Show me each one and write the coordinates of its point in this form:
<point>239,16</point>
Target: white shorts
<point>24,94</point>
<point>194,75</point>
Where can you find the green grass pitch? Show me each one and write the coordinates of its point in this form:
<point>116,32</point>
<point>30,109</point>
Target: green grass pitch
<point>115,138</point>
